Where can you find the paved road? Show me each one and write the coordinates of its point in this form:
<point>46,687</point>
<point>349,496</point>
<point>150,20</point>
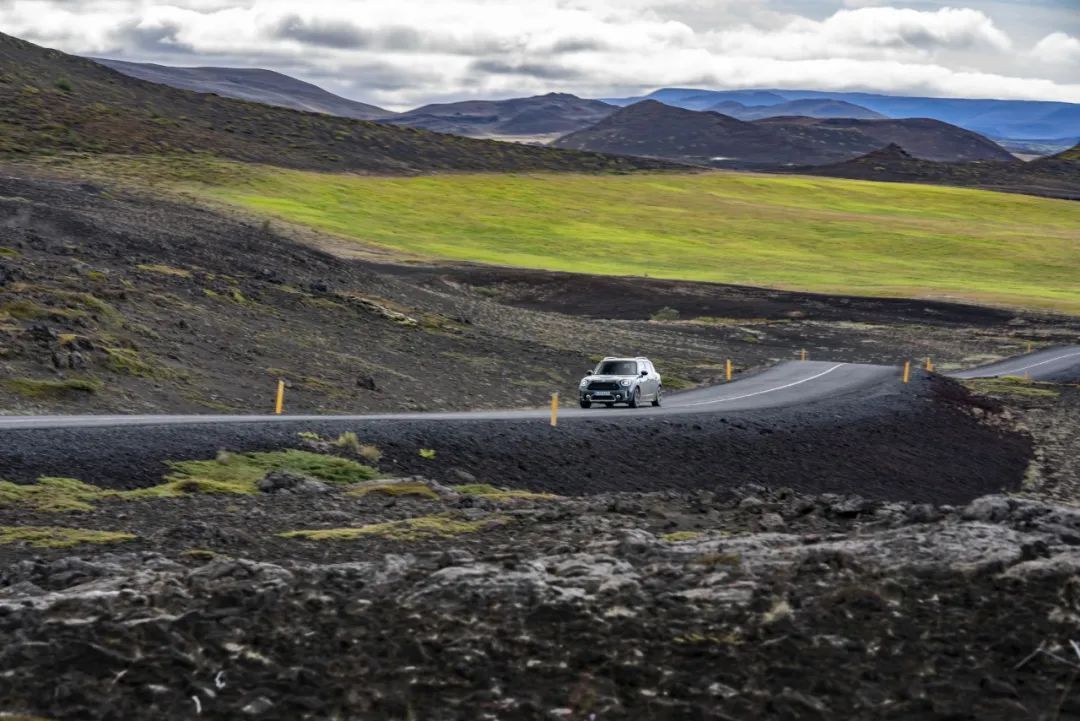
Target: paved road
<point>787,384</point>
<point>1051,364</point>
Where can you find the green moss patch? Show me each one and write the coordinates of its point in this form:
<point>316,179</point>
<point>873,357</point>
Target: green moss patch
<point>239,472</point>
<point>59,536</point>
<point>165,270</point>
<point>1012,386</point>
<point>420,490</point>
<point>52,495</point>
<point>678,536</point>
<point>502,494</point>
<point>443,525</point>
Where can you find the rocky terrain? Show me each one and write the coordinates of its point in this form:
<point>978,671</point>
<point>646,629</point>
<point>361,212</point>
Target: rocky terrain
<point>441,602</point>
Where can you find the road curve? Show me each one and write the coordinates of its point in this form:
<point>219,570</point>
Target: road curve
<point>787,384</point>
<point>1061,363</point>
<point>791,383</point>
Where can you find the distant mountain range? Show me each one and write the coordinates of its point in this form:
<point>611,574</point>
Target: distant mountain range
<point>1014,119</point>
<point>653,129</point>
<point>1023,126</point>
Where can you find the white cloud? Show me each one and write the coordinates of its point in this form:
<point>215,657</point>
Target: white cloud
<point>405,52</point>
<point>1058,49</point>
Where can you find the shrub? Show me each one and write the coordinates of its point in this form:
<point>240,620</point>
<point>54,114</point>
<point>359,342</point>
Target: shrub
<point>665,313</point>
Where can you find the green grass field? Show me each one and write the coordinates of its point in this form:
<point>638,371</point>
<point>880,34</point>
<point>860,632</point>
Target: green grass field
<point>803,233</point>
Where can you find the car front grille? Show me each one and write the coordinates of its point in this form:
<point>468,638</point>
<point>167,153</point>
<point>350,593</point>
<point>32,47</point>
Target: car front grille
<point>603,386</point>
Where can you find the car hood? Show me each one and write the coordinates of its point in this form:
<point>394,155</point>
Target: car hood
<point>607,378</point>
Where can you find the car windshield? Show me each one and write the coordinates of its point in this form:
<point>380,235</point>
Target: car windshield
<point>617,368</point>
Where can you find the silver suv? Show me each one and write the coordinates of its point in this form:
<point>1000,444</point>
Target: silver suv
<point>632,381</point>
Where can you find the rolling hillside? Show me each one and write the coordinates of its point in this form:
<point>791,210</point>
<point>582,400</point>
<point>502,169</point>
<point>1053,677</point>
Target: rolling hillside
<point>657,130</point>
<point>805,233</point>
<point>251,84</point>
<point>1017,119</point>
<point>51,102</point>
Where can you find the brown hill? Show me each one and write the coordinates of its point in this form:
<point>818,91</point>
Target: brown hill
<point>51,102</point>
<point>922,137</point>
<point>540,115</point>
<point>656,130</point>
<point>1049,177</point>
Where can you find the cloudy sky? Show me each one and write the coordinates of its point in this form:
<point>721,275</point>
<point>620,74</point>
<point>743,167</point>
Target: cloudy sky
<point>402,53</point>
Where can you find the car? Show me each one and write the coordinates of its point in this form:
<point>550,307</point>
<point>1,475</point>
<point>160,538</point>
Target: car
<point>633,381</point>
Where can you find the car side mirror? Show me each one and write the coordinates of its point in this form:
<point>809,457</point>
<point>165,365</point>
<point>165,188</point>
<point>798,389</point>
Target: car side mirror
<point>588,373</point>
<point>644,373</point>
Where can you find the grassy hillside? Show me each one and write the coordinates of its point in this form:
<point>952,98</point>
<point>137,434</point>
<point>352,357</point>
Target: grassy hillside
<point>55,103</point>
<point>795,232</point>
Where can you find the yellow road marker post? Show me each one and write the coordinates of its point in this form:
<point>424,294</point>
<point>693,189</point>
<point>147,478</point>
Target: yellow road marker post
<point>279,405</point>
<point>929,364</point>
<point>1029,346</point>
<point>728,369</point>
<point>554,409</point>
<point>802,354</point>
<point>907,371</point>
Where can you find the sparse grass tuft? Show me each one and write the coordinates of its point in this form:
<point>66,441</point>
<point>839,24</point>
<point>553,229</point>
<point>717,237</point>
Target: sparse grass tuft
<point>443,525</point>
<point>502,494</point>
<point>59,537</point>
<point>1012,386</point>
<point>427,454</point>
<point>665,313</point>
<point>37,388</point>
<point>409,488</point>
<point>370,453</point>
<point>679,536</point>
<point>9,253</point>
<point>348,441</point>
<point>165,270</point>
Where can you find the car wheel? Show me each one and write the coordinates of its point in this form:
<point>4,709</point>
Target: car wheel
<point>586,404</point>
<point>659,394</point>
<point>636,398</point>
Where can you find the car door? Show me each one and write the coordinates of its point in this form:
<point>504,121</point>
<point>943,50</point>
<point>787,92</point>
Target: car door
<point>652,381</point>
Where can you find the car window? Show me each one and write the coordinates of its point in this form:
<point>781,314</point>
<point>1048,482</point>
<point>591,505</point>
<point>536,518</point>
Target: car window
<point>617,368</point>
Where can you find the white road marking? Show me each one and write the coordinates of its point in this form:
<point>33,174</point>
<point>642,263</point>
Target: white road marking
<point>1036,365</point>
<point>768,390</point>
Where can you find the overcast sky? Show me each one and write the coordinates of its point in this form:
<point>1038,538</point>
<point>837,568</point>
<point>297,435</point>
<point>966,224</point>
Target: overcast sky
<point>402,53</point>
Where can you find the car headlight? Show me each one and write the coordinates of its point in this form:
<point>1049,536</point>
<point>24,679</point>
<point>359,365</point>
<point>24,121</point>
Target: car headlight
<point>625,382</point>
<point>584,382</point>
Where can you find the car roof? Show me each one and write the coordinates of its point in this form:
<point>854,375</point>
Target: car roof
<point>616,358</point>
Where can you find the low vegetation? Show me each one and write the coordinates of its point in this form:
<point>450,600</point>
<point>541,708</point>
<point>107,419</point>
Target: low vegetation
<point>484,490</point>
<point>402,488</point>
<point>817,234</point>
<point>442,525</point>
<point>1012,386</point>
<point>59,537</point>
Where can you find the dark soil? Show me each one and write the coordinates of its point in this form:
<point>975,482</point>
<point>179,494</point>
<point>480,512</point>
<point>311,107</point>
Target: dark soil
<point>770,605</point>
